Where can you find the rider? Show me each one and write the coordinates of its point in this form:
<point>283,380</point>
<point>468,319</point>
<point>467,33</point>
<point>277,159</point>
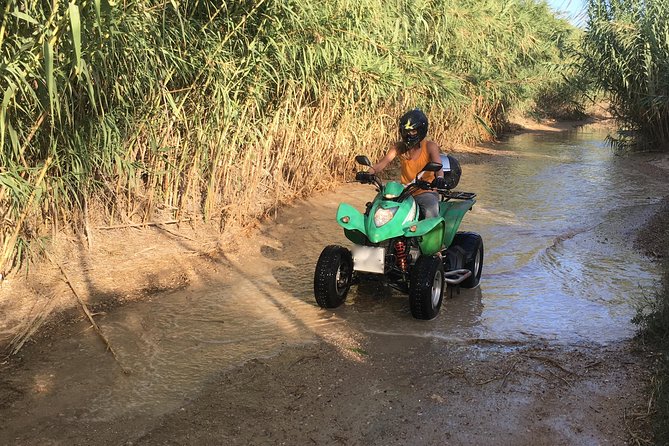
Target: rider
<point>415,152</point>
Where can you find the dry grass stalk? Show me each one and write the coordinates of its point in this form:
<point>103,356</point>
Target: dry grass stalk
<point>141,225</point>
<point>89,315</point>
<point>10,243</point>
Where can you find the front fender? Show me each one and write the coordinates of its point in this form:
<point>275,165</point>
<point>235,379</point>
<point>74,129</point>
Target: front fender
<point>350,218</point>
<point>431,231</point>
<point>423,227</point>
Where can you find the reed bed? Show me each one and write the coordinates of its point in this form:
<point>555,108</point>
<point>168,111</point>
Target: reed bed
<point>124,112</point>
<point>626,48</point>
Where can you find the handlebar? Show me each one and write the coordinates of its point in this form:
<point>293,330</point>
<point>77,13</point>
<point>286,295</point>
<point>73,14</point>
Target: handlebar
<point>365,177</point>
<point>370,178</point>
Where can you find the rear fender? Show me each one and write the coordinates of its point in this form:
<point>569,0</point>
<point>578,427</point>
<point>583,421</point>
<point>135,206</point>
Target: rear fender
<point>453,212</point>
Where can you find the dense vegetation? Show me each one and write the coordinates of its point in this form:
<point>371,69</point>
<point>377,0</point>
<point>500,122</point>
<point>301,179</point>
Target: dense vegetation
<point>626,50</point>
<point>117,112</point>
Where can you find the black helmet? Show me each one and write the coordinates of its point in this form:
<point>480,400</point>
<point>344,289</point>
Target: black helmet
<point>452,170</point>
<point>413,120</point>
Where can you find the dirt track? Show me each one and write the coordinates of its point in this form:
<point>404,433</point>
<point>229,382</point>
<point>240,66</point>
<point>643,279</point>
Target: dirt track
<point>381,392</point>
<point>426,393</point>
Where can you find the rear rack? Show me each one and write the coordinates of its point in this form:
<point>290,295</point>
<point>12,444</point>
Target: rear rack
<point>458,195</point>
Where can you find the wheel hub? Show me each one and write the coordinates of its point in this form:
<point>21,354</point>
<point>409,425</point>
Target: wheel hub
<point>437,284</point>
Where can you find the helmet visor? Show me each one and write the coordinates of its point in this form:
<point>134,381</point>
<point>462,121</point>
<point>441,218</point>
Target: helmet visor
<point>410,136</point>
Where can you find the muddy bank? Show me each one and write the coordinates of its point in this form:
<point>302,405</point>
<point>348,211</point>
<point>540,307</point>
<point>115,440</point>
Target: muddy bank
<point>380,392</point>
<point>653,238</point>
<point>122,265</point>
<point>425,393</point>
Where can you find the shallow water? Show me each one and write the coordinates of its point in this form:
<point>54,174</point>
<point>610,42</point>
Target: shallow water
<point>557,220</point>
<point>559,223</point>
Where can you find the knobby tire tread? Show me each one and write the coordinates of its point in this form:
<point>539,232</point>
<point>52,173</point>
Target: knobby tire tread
<point>420,292</point>
<point>325,276</point>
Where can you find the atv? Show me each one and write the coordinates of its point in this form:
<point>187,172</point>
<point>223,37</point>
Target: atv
<point>394,244</point>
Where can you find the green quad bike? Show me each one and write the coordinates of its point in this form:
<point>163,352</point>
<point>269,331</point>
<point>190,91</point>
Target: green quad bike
<point>394,244</point>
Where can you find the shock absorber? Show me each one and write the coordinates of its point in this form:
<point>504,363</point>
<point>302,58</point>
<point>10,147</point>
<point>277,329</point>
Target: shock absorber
<point>401,255</point>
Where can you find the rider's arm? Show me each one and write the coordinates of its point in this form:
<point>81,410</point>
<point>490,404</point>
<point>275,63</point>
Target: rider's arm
<point>433,150</point>
<point>378,167</point>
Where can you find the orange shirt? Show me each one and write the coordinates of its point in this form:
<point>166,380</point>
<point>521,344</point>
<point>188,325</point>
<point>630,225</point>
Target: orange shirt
<point>411,167</point>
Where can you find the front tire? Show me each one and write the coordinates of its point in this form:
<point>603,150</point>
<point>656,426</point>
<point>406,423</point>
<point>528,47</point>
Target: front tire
<point>426,290</point>
<point>333,275</point>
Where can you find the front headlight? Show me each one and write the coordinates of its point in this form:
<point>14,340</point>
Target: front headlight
<point>383,216</point>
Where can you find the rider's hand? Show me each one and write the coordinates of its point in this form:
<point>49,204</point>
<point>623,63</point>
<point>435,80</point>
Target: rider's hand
<point>439,183</point>
<point>364,177</point>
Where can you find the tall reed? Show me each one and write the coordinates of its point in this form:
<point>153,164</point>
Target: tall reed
<point>199,109</point>
<point>626,48</point>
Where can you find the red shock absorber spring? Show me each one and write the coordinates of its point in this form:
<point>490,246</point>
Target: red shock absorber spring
<point>401,255</point>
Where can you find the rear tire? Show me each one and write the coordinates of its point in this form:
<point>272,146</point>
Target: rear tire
<point>426,290</point>
<point>472,244</point>
<point>332,278</point>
